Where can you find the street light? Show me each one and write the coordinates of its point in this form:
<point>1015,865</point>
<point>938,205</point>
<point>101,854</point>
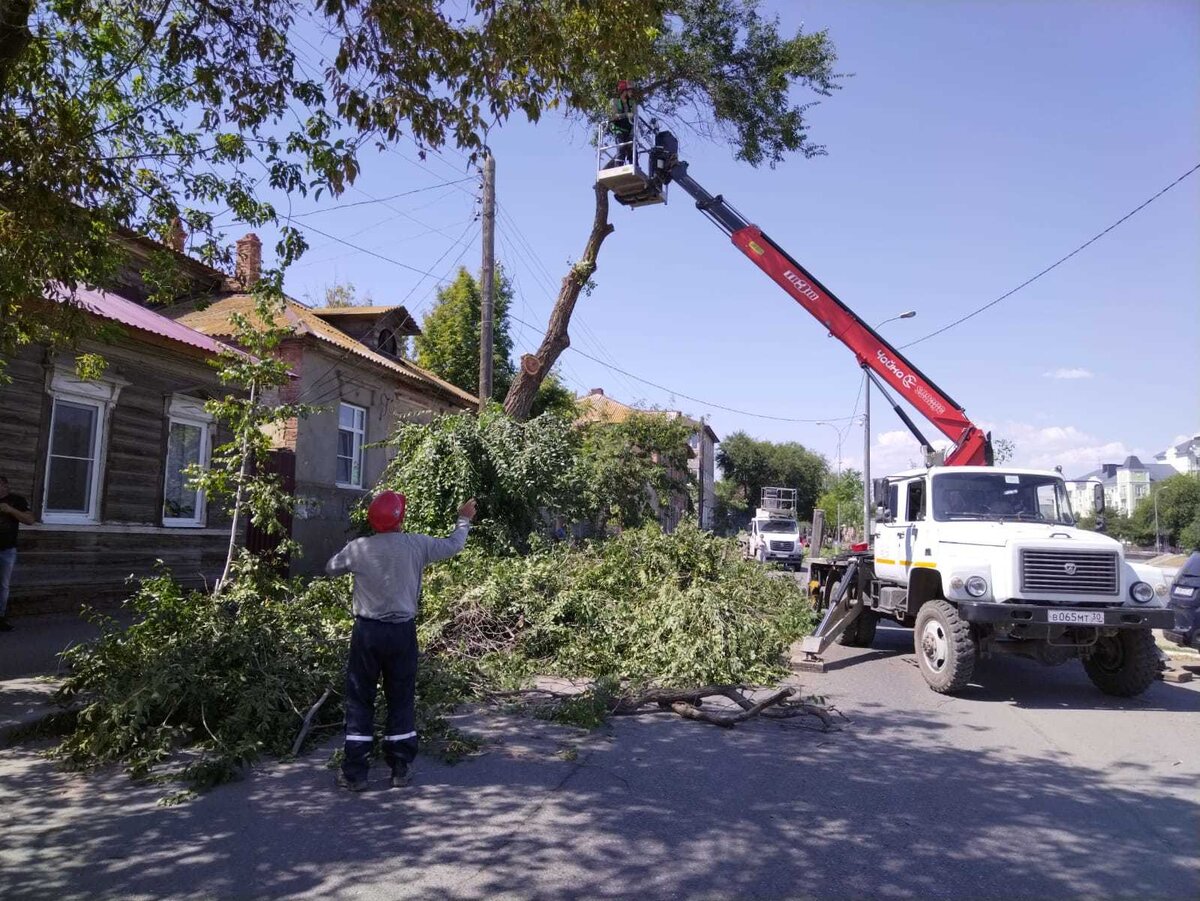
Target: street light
<point>907,314</point>
<point>838,432</point>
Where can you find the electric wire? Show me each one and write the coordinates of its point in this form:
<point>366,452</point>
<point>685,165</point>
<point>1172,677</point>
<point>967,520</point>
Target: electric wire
<point>1054,265</point>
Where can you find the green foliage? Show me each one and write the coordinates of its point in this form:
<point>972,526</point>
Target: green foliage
<point>633,467</point>
<point>1116,525</point>
<point>639,608</point>
<point>554,397</point>
<point>448,345</point>
<point>844,494</point>
<point>230,677</point>
<point>1178,504</point>
<point>516,470</point>
<point>749,465</point>
<point>124,114</point>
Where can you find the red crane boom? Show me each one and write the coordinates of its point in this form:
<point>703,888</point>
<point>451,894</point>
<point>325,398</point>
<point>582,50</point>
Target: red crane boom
<point>972,446</point>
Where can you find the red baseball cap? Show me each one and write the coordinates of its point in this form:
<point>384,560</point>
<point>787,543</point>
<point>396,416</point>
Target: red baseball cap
<point>622,85</point>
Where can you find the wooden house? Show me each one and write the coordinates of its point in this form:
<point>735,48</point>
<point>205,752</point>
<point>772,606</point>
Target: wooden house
<point>102,461</point>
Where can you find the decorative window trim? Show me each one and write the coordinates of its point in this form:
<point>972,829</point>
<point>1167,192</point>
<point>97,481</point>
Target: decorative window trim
<point>358,450</point>
<point>101,394</point>
<point>189,411</point>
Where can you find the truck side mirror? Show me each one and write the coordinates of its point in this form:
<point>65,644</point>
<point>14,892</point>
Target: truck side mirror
<point>882,514</point>
<point>1098,498</point>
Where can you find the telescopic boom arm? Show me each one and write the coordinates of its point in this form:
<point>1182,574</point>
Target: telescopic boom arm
<point>972,447</point>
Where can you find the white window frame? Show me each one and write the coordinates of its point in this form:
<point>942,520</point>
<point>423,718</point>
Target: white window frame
<point>101,395</point>
<point>188,411</point>
<point>358,447</point>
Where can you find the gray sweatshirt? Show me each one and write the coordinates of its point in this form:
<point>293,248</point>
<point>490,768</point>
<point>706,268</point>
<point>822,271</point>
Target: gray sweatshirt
<point>387,569</point>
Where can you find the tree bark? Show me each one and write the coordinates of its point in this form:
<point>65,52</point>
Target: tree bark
<point>14,35</point>
<point>519,401</point>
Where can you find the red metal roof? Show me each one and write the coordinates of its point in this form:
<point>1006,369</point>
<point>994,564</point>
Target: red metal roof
<point>126,312</point>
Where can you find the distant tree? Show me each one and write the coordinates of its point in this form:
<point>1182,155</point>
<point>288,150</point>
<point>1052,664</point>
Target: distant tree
<point>343,294</point>
<point>1178,500</point>
<point>448,345</point>
<point>732,512</point>
<point>842,501</point>
<point>751,464</point>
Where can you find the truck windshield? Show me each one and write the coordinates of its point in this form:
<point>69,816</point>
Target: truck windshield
<point>1000,496</point>
<point>778,525</point>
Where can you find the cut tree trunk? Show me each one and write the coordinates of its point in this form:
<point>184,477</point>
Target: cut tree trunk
<point>534,369</point>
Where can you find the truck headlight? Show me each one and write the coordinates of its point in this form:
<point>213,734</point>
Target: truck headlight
<point>1142,592</point>
<point>977,586</point>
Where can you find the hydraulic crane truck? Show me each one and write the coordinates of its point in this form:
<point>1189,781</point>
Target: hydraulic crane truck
<point>978,560</point>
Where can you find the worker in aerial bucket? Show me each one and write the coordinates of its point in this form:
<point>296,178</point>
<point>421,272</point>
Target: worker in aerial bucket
<point>387,569</point>
<point>622,109</point>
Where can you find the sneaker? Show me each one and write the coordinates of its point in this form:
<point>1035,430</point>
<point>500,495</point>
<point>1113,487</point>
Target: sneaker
<point>5,625</point>
<point>354,785</point>
<point>401,775</point>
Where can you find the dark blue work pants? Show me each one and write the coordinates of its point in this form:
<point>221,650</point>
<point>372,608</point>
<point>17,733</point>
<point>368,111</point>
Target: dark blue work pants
<point>391,649</point>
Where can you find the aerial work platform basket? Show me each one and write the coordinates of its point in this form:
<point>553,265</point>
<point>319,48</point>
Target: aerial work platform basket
<point>631,169</point>
<point>779,502</point>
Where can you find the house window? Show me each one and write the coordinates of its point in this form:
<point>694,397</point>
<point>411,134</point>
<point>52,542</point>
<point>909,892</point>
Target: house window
<point>352,433</point>
<point>187,446</point>
<point>73,467</point>
<point>75,451</point>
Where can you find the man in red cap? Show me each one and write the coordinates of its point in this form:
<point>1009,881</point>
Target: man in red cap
<point>387,569</point>
<point>620,121</point>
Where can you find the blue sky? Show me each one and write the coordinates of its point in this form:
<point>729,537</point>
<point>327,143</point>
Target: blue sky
<point>972,145</point>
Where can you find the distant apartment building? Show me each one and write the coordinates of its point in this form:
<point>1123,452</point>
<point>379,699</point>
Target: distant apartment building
<point>1125,484</point>
<point>1185,457</point>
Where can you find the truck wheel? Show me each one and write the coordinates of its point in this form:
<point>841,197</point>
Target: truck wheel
<point>861,632</point>
<point>1125,664</point>
<point>946,650</point>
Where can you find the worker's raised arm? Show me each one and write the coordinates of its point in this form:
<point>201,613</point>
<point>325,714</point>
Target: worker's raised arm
<point>342,562</point>
<point>441,548</point>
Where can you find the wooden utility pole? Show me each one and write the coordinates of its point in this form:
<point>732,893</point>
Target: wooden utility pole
<point>487,279</point>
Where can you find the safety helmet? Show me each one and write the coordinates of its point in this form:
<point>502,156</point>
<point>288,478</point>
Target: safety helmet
<point>622,85</point>
<point>386,513</point>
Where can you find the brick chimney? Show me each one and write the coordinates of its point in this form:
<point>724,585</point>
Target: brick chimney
<point>599,391</point>
<point>249,261</point>
<point>176,235</point>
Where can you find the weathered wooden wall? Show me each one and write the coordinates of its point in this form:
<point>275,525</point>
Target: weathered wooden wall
<point>61,567</point>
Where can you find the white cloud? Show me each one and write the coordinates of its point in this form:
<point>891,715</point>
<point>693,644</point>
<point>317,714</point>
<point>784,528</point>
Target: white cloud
<point>1075,373</point>
<point>1037,447</point>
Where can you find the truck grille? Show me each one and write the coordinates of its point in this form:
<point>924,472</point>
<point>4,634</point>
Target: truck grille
<point>781,545</point>
<point>1069,572</point>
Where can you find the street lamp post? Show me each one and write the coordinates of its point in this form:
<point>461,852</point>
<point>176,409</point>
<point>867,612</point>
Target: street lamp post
<point>907,314</point>
<point>1157,533</point>
<point>837,432</point>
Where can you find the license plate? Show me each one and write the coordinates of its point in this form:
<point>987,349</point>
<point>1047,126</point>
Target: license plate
<point>1076,617</point>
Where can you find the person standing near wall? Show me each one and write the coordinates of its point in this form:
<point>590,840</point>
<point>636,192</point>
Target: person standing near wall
<point>14,513</point>
<point>387,569</point>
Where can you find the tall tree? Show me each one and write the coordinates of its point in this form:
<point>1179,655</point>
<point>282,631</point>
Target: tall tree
<point>751,465</point>
<point>448,345</point>
<point>842,502</point>
<point>133,114</point>
<point>718,70</point>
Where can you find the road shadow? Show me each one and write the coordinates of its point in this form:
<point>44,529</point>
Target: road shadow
<point>653,808</point>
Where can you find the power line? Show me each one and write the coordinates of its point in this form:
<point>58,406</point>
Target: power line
<point>694,400</point>
<point>1056,264</point>
<point>346,206</point>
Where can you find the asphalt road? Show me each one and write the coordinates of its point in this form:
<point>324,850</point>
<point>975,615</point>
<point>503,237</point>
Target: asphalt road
<point>1028,785</point>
